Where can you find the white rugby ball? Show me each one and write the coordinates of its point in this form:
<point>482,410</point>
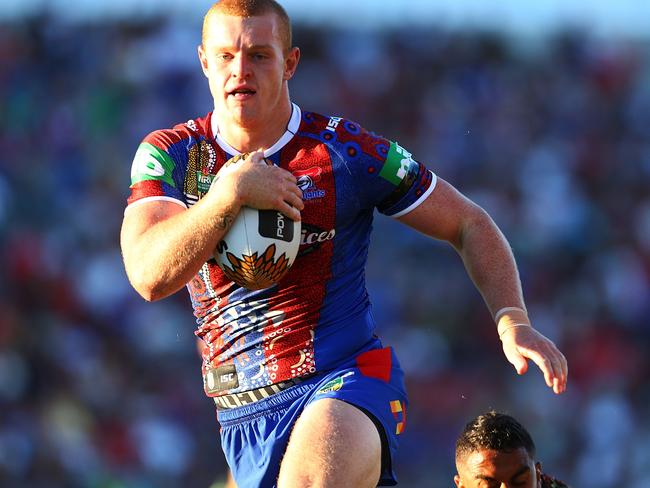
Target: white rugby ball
<point>259,248</point>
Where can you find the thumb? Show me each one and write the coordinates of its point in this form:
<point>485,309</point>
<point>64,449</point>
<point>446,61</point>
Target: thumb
<point>255,157</point>
<point>516,359</point>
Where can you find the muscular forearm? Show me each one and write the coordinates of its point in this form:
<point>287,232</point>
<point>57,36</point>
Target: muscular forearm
<point>163,258</point>
<point>490,263</point>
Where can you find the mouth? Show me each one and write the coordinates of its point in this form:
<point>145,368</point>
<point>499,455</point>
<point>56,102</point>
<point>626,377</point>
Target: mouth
<point>242,93</point>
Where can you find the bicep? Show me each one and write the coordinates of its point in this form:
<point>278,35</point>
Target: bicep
<point>443,214</point>
<point>140,217</point>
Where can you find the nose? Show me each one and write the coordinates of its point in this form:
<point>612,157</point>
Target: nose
<point>241,67</point>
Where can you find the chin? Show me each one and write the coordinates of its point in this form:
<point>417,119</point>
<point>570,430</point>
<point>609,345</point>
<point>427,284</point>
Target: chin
<point>244,116</point>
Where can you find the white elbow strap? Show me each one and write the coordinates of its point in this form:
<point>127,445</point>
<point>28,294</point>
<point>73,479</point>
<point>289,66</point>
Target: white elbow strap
<point>510,317</point>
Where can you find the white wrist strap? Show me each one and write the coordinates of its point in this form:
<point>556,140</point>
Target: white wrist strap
<point>510,317</point>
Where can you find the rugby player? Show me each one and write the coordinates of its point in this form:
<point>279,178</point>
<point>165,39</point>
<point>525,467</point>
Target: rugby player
<point>306,393</point>
<point>496,451</point>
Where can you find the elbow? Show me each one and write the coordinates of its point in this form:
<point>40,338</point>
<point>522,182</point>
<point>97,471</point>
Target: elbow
<point>150,294</point>
<point>476,222</point>
<point>146,287</point>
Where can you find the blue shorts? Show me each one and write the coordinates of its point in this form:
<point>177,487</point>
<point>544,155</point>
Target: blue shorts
<point>254,437</point>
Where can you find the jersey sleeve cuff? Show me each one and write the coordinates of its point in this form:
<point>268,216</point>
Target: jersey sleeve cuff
<point>423,197</point>
<point>154,199</point>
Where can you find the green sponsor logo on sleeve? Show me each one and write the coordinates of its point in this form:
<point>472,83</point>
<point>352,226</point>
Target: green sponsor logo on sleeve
<point>152,163</point>
<point>396,165</point>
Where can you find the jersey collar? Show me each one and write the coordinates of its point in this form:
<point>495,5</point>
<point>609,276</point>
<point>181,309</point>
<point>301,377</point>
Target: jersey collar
<point>292,128</point>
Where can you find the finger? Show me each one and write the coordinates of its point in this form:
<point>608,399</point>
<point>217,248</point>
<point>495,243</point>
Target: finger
<point>559,364</point>
<point>297,192</point>
<point>563,372</point>
<point>287,176</point>
<point>556,385</point>
<point>295,201</point>
<point>289,211</point>
<point>544,364</point>
<point>256,157</point>
<point>293,198</point>
<point>516,359</point>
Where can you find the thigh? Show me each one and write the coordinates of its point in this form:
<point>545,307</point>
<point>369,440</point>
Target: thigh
<point>370,392</point>
<point>333,444</point>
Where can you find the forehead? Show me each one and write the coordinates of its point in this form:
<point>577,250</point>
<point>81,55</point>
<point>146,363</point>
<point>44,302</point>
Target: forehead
<point>497,464</point>
<point>232,31</point>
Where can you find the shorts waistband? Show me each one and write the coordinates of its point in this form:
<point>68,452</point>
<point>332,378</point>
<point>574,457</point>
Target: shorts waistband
<point>235,400</point>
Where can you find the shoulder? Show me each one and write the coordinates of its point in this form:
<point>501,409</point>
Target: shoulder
<point>346,135</point>
<point>193,129</point>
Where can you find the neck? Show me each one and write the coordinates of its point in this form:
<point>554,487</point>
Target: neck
<point>251,136</point>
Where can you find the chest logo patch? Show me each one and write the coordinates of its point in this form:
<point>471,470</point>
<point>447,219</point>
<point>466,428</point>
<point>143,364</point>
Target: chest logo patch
<point>308,183</point>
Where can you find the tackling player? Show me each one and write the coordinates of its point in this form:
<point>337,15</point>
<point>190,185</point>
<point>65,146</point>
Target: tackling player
<point>306,394</point>
<point>494,450</point>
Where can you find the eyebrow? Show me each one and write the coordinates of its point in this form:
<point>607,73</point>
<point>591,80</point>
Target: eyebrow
<point>521,471</point>
<point>251,48</point>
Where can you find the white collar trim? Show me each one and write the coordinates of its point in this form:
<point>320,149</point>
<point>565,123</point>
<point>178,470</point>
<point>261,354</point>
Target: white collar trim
<point>292,128</point>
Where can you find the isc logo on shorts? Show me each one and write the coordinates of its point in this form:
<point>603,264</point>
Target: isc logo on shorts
<point>219,379</point>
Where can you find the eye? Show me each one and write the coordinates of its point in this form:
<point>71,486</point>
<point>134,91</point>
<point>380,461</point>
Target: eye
<point>224,57</point>
<point>521,481</point>
<point>488,484</point>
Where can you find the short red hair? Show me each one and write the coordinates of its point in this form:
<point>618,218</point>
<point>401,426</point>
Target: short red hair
<point>250,8</point>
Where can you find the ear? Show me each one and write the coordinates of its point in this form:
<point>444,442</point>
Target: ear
<point>203,59</point>
<point>458,482</point>
<point>291,63</point>
<point>538,473</point>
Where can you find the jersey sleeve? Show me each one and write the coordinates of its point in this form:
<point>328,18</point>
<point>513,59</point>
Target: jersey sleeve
<point>158,169</point>
<point>388,177</point>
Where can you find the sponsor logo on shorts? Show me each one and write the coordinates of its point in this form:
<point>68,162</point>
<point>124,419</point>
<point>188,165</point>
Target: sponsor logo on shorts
<point>220,379</point>
<point>334,385</point>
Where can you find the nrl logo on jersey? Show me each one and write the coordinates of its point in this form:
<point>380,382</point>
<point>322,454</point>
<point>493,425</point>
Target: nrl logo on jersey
<point>307,180</point>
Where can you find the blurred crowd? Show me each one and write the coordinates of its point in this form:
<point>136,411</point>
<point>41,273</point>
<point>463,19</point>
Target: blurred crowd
<point>551,136</point>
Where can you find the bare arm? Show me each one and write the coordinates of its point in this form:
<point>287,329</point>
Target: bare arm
<point>448,215</point>
<point>165,245</point>
<point>486,254</point>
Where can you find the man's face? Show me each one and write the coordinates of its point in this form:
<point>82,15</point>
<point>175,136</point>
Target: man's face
<point>247,67</point>
<point>496,469</point>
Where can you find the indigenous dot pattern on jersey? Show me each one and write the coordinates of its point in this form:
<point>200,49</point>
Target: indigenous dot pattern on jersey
<point>319,313</point>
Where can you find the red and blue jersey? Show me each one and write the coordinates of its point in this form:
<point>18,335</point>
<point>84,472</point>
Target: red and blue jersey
<point>319,314</point>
